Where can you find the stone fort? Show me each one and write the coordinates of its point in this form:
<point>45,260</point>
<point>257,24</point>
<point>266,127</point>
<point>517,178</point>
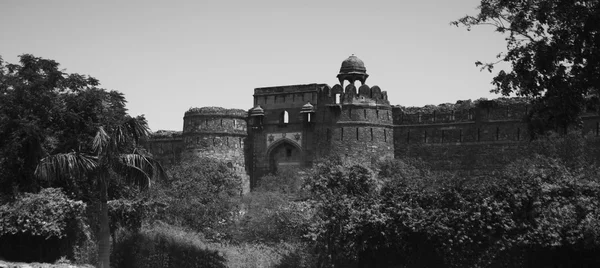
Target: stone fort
<point>296,125</point>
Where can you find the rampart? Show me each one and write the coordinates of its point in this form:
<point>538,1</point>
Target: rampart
<point>474,137</point>
<point>218,133</point>
<point>166,146</point>
<point>354,124</point>
<point>295,125</point>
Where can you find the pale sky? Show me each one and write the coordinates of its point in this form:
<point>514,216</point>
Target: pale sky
<point>168,56</point>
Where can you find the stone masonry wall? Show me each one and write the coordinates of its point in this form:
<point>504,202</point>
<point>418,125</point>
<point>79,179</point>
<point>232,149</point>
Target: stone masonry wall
<point>217,133</point>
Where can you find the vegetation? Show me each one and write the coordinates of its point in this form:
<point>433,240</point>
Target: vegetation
<point>62,130</point>
<point>46,219</point>
<point>553,48</point>
<point>70,158</point>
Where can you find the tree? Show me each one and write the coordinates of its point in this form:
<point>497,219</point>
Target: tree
<point>62,128</point>
<point>554,49</point>
<point>114,155</point>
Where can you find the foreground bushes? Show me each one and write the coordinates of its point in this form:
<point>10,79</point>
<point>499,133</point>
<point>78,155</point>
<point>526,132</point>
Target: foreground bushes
<point>165,246</point>
<point>536,213</point>
<point>42,227</point>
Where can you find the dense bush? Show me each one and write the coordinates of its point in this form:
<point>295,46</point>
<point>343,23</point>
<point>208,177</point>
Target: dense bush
<point>538,212</point>
<point>285,181</point>
<point>271,217</point>
<point>42,226</point>
<point>202,195</point>
<point>162,245</point>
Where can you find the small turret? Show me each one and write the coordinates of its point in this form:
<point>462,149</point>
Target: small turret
<point>353,69</point>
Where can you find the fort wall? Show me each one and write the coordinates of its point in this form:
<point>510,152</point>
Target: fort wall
<point>480,137</point>
<point>294,126</point>
<point>354,124</point>
<point>218,133</point>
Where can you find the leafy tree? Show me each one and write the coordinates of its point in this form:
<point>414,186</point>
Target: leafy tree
<point>65,130</point>
<point>33,114</point>
<point>554,49</point>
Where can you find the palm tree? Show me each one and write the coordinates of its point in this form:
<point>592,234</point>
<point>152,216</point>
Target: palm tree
<point>113,152</point>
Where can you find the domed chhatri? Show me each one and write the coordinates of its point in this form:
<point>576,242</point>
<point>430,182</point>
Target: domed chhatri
<point>353,69</point>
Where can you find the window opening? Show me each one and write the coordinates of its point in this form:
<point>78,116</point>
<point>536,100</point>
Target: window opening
<point>342,134</point>
<point>337,98</point>
<point>308,117</point>
<point>384,135</point>
<point>365,113</point>
<point>285,118</point>
<point>356,133</point>
<point>288,152</point>
<point>371,134</point>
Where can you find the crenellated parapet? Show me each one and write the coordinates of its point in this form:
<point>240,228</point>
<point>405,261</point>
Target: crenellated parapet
<point>501,109</point>
<point>364,95</point>
<point>215,121</point>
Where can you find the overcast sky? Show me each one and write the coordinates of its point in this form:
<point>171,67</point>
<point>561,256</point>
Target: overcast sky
<point>168,56</point>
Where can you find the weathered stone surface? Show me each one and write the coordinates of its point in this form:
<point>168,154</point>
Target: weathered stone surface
<point>299,124</point>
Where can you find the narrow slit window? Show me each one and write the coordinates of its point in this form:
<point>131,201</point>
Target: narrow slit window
<point>384,135</point>
<point>285,118</point>
<point>356,133</point>
<point>337,98</point>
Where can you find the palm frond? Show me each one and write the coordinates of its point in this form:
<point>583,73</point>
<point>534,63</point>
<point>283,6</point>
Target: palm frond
<point>62,165</point>
<point>101,140</point>
<point>137,127</point>
<point>137,168</point>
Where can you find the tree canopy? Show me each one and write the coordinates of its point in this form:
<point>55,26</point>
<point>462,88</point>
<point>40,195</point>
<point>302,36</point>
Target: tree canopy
<point>553,47</point>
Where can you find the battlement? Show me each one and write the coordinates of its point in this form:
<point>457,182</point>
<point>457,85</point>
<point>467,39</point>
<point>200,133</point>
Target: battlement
<point>364,96</point>
<point>482,110</point>
<point>216,112</point>
<point>287,89</point>
<point>165,135</point>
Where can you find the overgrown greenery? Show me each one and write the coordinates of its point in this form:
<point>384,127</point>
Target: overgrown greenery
<point>45,219</point>
<point>539,211</point>
<point>553,48</point>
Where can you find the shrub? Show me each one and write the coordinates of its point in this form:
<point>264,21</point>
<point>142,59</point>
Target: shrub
<point>202,196</point>
<point>286,181</point>
<point>162,245</point>
<point>271,217</point>
<point>42,226</point>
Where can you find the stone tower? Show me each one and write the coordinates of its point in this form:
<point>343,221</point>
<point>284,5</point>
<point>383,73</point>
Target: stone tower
<point>355,124</point>
<point>218,133</point>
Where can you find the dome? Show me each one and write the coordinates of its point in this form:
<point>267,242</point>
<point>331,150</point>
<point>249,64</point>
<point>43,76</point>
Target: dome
<point>307,108</point>
<point>353,65</point>
<point>257,111</point>
<point>353,69</point>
